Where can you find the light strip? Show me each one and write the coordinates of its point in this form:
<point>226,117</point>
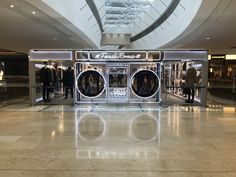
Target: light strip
<point>228,57</point>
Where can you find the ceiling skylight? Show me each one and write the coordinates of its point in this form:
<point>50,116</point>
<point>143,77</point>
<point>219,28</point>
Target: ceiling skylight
<point>123,14</point>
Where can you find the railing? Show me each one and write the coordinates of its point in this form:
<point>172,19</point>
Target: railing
<point>177,91</point>
<point>14,86</point>
<point>56,94</point>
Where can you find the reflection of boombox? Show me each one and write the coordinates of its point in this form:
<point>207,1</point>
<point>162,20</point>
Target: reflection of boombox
<point>143,127</point>
<point>94,130</point>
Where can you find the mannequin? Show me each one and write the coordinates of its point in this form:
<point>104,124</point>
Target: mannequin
<point>68,82</point>
<point>191,76</point>
<point>45,79</point>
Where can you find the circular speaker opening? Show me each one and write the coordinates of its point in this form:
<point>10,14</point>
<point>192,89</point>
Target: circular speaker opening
<point>145,83</point>
<point>90,83</point>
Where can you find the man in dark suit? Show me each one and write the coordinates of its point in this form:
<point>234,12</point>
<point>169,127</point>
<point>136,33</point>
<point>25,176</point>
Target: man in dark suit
<point>45,79</point>
<point>190,80</point>
<point>68,81</point>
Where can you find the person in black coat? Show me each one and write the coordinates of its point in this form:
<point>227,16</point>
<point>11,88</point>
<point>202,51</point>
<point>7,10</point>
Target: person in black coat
<point>45,79</point>
<point>190,80</point>
<point>68,81</point>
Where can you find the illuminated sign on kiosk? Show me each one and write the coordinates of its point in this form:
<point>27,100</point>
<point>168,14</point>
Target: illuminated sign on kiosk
<point>118,55</point>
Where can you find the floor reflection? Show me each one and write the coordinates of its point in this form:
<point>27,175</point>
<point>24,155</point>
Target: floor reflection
<point>111,140</point>
<point>144,127</point>
<point>117,134</point>
<point>91,127</point>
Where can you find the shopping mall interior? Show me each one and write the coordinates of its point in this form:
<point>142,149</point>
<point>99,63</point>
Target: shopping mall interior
<point>123,88</point>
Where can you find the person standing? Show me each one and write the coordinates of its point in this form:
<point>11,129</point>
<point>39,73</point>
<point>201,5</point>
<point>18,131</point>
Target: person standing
<point>190,80</point>
<point>119,80</point>
<point>68,82</point>
<point>45,79</point>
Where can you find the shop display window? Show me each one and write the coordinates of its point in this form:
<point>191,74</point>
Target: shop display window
<point>175,76</point>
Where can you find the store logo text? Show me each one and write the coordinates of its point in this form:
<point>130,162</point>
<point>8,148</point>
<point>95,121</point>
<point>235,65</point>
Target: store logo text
<point>122,55</point>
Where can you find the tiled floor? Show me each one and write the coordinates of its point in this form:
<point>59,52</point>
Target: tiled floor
<point>117,141</point>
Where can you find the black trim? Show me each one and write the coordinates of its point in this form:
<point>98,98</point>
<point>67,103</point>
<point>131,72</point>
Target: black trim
<point>158,22</point>
<point>95,12</point>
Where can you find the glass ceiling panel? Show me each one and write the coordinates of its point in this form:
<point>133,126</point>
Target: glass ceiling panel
<point>122,16</point>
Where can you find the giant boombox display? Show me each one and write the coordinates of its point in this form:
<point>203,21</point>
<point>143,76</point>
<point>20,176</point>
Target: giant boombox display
<point>116,84</point>
<point>117,76</point>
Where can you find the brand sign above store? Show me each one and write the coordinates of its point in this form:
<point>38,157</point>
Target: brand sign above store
<point>118,55</point>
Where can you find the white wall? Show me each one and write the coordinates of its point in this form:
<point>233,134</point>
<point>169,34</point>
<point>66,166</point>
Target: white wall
<point>72,14</point>
<point>207,14</point>
<point>171,29</point>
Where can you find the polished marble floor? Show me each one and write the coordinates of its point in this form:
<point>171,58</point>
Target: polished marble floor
<point>117,141</point>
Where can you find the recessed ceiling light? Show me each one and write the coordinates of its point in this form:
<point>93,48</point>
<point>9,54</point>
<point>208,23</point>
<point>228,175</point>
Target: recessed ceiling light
<point>33,12</point>
<point>11,5</point>
<point>208,38</point>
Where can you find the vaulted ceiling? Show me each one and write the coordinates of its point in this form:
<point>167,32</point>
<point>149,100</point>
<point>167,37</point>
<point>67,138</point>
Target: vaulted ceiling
<point>25,26</point>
